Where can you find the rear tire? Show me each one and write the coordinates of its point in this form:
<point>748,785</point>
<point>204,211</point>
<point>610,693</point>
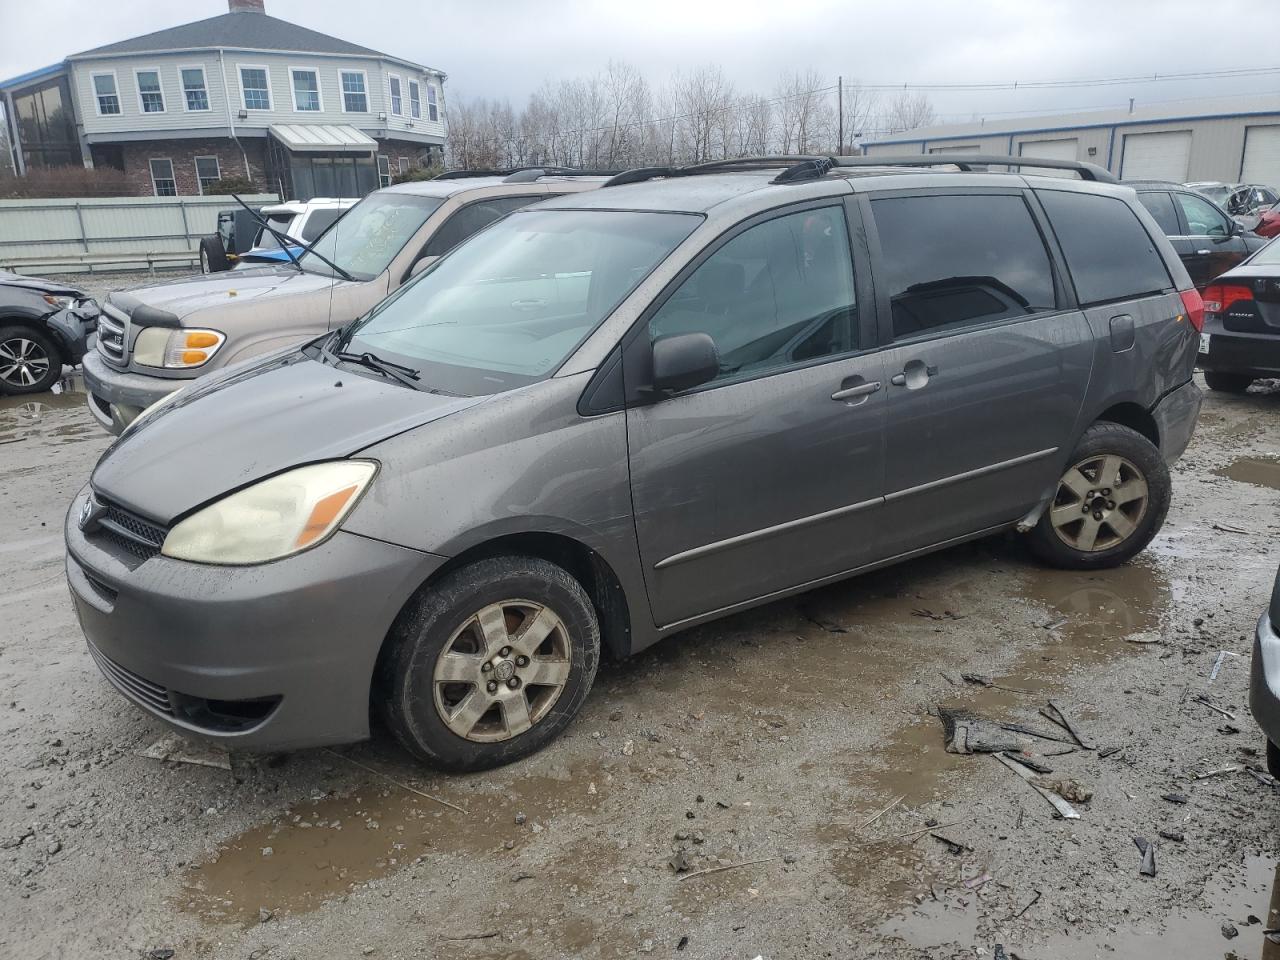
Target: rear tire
<point>213,258</point>
<point>30,360</point>
<point>489,664</point>
<point>1227,382</point>
<point>1123,480</point>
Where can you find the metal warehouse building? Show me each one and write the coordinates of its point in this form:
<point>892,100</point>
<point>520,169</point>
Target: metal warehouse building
<point>1235,140</point>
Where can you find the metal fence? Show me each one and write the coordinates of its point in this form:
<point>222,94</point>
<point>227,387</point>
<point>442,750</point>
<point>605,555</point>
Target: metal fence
<point>122,233</point>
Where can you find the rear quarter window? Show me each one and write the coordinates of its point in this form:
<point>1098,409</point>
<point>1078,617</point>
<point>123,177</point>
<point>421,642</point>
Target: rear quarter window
<point>1108,250</point>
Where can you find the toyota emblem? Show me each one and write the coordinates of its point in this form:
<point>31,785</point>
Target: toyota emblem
<point>86,512</point>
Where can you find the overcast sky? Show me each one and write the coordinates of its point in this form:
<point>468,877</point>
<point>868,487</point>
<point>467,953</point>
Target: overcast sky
<point>506,49</point>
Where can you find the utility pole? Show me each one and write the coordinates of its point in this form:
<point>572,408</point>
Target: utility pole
<point>840,116</point>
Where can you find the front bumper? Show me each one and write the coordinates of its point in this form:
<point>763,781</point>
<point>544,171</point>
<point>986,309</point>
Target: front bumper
<point>1175,416</point>
<point>74,325</point>
<point>1264,679</point>
<point>267,657</point>
<point>116,397</point>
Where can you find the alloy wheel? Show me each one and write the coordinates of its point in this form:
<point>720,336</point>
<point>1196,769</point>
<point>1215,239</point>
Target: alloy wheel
<point>23,362</point>
<point>1100,503</point>
<point>502,671</point>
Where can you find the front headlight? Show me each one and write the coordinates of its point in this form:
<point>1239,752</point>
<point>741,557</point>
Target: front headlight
<point>60,303</point>
<point>282,515</point>
<point>175,349</point>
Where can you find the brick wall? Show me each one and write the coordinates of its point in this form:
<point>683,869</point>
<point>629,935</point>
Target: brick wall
<point>393,150</point>
<point>137,157</point>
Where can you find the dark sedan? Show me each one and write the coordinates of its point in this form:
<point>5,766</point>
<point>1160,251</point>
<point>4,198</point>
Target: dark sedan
<point>1241,338</point>
<point>1207,240</point>
<point>44,324</point>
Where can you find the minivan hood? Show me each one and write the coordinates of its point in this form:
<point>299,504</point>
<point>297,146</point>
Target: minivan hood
<point>221,291</point>
<point>252,421</point>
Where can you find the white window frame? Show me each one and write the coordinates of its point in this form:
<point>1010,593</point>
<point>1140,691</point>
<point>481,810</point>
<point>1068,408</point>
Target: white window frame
<point>342,91</point>
<point>403,164</point>
<point>433,103</point>
<point>392,96</point>
<point>293,92</point>
<point>115,83</point>
<point>244,104</point>
<point>173,175</point>
<point>384,170</point>
<point>137,86</point>
<point>195,163</point>
<point>204,81</point>
<point>415,100</point>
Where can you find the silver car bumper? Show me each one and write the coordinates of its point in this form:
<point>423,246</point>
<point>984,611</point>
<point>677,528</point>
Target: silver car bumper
<point>116,397</point>
<point>1264,680</point>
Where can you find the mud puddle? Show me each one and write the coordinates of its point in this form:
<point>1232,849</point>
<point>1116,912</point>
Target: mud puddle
<point>53,418</point>
<point>328,846</point>
<point>1260,471</point>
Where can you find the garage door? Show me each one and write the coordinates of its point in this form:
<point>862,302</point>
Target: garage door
<point>1156,156</point>
<point>1049,149</point>
<point>1262,156</point>
<point>966,148</point>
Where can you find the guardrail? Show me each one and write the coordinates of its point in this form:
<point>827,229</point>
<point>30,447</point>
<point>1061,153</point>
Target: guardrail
<point>118,233</point>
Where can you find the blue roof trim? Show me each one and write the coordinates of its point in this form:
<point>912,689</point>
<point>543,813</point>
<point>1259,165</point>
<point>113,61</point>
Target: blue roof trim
<point>26,78</point>
<point>1079,126</point>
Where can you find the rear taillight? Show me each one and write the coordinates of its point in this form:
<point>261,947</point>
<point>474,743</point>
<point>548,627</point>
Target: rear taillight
<point>1219,297</point>
<point>1194,307</point>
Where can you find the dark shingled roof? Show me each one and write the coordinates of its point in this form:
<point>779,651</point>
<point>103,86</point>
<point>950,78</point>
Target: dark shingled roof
<point>237,30</point>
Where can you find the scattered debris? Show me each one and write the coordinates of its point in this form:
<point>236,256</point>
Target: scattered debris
<point>1145,638</point>
<point>1229,931</point>
<point>953,846</point>
<point>917,834</point>
<point>999,953</point>
<point>1172,835</point>
<point>883,812</point>
<point>1218,773</point>
<point>1015,916</point>
<point>1148,850</point>
<point>1061,805</point>
<point>1227,528</point>
<point>973,883</point>
<point>160,953</point>
<point>1264,778</point>
<point>727,866</point>
<point>1174,797</point>
<point>1033,732</point>
<point>1059,716</point>
<point>393,780</point>
<point>177,749</point>
<point>1228,729</point>
<point>12,440</point>
<point>679,862</point>
<point>1071,790</point>
<point>684,942</point>
<point>968,733</point>
<point>930,615</point>
<point>1204,702</point>
<point>1217,664</point>
<point>1055,624</point>
<point>1027,762</point>
<point>471,936</point>
<point>1109,752</point>
<point>980,680</point>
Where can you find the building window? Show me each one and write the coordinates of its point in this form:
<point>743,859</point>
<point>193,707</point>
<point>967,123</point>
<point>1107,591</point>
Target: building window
<point>255,85</point>
<point>384,171</point>
<point>43,119</point>
<point>208,172</point>
<point>193,88</point>
<point>404,166</point>
<point>104,90</point>
<point>150,96</point>
<point>162,178</point>
<point>433,108</point>
<point>415,100</point>
<point>306,91</point>
<point>354,97</point>
<point>397,101</point>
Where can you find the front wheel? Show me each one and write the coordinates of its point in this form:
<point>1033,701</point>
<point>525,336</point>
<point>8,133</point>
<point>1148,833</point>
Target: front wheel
<point>30,362</point>
<point>1109,504</point>
<point>490,663</point>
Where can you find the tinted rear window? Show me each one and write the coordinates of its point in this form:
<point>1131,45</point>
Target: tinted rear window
<point>1109,252</point>
<point>954,261</point>
<point>1160,206</point>
<point>318,222</point>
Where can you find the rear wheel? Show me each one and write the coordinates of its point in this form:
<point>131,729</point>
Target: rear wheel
<point>30,361</point>
<point>490,663</point>
<point>213,258</point>
<point>1227,382</point>
<point>1109,503</point>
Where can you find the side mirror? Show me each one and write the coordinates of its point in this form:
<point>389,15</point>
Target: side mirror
<point>684,361</point>
<point>421,264</point>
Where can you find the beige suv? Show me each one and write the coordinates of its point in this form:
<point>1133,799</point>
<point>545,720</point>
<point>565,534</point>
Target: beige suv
<point>153,340</point>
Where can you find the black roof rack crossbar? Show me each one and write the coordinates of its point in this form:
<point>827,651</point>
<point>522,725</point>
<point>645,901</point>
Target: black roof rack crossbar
<point>710,166</point>
<point>967,161</point>
<point>523,174</point>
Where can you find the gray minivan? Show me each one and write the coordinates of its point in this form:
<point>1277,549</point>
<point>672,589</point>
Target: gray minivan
<point>617,414</point>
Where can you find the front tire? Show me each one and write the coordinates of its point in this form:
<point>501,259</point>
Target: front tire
<point>30,361</point>
<point>1227,382</point>
<point>1108,505</point>
<point>490,663</point>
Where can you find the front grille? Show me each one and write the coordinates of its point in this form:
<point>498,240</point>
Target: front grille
<point>131,685</point>
<point>130,532</point>
<point>113,335</point>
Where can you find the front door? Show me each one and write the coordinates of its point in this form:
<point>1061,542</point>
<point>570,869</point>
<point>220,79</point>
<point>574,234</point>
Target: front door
<point>770,475</point>
<point>986,373</point>
<point>1211,244</point>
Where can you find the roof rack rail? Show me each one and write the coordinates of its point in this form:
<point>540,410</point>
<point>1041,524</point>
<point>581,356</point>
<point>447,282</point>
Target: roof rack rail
<point>639,174</point>
<point>523,174</point>
<point>966,162</point>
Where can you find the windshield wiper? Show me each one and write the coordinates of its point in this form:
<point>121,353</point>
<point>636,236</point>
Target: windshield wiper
<point>396,371</point>
<point>287,242</point>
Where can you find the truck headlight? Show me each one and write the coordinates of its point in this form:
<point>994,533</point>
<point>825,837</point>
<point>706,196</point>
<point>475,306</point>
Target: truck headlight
<point>274,518</point>
<point>175,349</point>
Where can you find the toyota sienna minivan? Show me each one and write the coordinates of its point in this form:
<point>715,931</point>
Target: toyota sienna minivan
<point>623,412</point>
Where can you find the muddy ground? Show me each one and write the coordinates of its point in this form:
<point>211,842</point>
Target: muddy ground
<point>801,735</point>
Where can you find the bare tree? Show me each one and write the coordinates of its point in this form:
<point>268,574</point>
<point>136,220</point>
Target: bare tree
<point>859,105</point>
<point>907,112</point>
<point>701,99</point>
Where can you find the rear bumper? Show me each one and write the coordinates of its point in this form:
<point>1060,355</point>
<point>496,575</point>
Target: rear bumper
<point>116,397</point>
<point>1175,416</point>
<point>1253,356</point>
<point>1264,679</point>
<point>266,657</point>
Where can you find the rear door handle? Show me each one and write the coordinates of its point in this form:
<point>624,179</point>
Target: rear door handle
<point>861,390</point>
<point>1203,253</point>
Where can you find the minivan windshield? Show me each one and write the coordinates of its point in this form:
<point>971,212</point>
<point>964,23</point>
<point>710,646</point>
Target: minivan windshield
<point>364,241</point>
<point>508,306</point>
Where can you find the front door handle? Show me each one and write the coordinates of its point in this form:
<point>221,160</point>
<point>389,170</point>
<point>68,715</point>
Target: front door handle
<point>859,390</point>
<point>1203,253</point>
